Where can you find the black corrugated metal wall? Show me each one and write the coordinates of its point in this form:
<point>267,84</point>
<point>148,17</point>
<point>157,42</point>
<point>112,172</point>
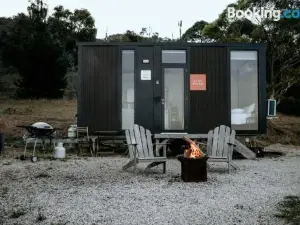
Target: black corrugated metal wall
<point>98,103</point>
<point>99,97</point>
<point>210,108</point>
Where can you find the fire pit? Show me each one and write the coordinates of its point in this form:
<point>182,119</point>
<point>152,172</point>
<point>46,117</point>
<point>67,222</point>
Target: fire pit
<point>193,163</point>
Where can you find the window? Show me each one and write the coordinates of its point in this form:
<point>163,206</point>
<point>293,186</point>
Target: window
<point>173,56</point>
<point>127,89</point>
<point>244,90</point>
<point>174,98</point>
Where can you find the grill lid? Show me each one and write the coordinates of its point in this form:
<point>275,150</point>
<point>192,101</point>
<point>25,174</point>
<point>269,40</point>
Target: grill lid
<point>42,125</point>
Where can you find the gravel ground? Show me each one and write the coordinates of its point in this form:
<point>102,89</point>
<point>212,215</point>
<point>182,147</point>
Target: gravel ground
<point>97,191</point>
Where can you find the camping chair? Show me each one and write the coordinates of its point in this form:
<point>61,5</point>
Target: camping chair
<point>84,139</point>
<point>220,143</point>
<point>140,146</point>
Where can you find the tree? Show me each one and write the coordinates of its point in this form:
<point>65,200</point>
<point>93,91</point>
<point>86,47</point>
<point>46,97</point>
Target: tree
<point>29,48</point>
<point>68,27</point>
<point>225,31</point>
<point>281,37</point>
<point>42,48</point>
<point>5,26</point>
<point>221,30</point>
<point>143,36</point>
<point>194,33</point>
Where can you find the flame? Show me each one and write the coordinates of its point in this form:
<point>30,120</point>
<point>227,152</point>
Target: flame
<point>193,152</point>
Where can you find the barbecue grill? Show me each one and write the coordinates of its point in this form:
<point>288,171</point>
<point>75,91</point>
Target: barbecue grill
<point>39,132</point>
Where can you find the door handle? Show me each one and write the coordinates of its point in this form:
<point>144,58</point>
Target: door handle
<point>157,98</point>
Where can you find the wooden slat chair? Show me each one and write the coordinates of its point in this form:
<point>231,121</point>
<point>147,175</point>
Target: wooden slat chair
<point>220,143</point>
<point>84,139</point>
<point>141,149</point>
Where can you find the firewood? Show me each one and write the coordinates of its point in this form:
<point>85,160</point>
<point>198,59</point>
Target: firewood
<point>194,144</point>
<point>188,140</point>
<point>187,153</point>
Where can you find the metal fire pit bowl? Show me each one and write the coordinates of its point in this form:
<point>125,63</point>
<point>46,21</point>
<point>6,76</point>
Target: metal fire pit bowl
<point>193,170</point>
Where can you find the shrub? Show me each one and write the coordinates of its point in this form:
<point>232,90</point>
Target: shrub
<point>293,91</point>
<point>290,106</point>
<point>289,210</point>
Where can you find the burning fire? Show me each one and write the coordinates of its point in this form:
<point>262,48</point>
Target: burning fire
<point>193,151</point>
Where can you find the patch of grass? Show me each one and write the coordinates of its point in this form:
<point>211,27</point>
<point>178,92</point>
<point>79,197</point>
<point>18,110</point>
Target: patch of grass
<point>42,175</point>
<point>284,130</point>
<point>59,223</point>
<point>289,210</point>
<point>12,139</point>
<point>3,192</point>
<point>17,213</point>
<point>7,163</point>
<point>41,217</point>
<point>17,111</point>
<point>58,113</point>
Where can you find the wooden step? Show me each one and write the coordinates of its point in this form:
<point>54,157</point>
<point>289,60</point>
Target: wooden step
<point>243,150</point>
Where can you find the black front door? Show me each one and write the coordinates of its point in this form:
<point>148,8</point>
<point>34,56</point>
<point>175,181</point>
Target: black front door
<point>161,90</point>
<point>144,87</point>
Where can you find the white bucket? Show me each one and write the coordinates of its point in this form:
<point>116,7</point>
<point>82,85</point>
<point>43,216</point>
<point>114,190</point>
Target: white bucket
<point>60,151</point>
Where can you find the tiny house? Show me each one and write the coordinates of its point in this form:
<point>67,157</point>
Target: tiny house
<point>172,87</point>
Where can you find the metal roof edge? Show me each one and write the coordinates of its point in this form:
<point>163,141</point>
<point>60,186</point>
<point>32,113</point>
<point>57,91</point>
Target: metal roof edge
<point>214,44</point>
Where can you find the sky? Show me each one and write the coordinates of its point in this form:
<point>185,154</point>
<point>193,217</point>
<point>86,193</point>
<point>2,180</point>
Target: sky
<point>117,16</point>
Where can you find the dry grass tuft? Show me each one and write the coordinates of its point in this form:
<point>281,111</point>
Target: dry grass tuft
<point>43,175</point>
<point>17,213</point>
<point>283,130</point>
<point>289,210</point>
<point>41,217</point>
<point>18,111</point>
<point>58,113</point>
<point>3,125</point>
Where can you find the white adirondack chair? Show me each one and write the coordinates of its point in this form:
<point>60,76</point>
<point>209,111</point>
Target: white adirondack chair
<point>220,142</point>
<point>141,150</point>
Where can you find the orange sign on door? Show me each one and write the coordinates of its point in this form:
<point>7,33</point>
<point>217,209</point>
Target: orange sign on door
<point>198,82</point>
